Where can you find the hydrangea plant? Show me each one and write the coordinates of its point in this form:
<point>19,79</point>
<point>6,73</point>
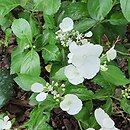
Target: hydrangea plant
<point>61,48</point>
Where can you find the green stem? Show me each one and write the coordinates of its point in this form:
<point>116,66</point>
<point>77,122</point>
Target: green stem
<point>80,125</point>
<point>123,53</point>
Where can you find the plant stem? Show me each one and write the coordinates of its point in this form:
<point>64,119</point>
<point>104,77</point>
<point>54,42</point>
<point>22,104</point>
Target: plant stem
<point>80,125</point>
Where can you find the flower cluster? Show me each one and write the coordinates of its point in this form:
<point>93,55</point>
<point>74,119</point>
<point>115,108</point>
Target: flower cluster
<point>69,103</point>
<point>103,120</point>
<point>66,34</point>
<point>84,57</point>
<point>5,124</point>
<point>126,92</point>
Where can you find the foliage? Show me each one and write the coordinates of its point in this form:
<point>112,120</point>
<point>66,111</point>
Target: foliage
<point>40,43</point>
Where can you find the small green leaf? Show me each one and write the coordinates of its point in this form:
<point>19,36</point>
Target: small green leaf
<point>25,81</point>
<point>115,76</point>
<point>51,53</point>
<point>50,7</point>
<point>85,24</point>
<point>7,5</point>
<point>81,91</point>
<point>98,9</point>
<point>22,29</point>
<point>31,64</point>
<point>125,104</point>
<point>118,19</point>
<point>125,6</point>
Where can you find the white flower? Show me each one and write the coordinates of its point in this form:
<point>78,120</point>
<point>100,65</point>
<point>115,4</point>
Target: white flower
<point>89,34</point>
<point>111,54</point>
<point>85,58</point>
<point>67,24</point>
<point>38,88</point>
<point>73,75</point>
<point>71,104</point>
<point>104,120</point>
<point>5,124</point>
<point>90,129</point>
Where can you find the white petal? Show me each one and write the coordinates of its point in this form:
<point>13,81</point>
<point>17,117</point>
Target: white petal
<point>70,56</point>
<point>2,124</point>
<point>64,105</point>
<point>73,75</point>
<point>75,107</point>
<point>90,68</point>
<point>100,115</point>
<point>37,87</point>
<point>108,123</point>
<point>89,34</point>
<point>67,24</point>
<point>8,125</point>
<point>90,129</point>
<point>6,118</point>
<point>111,54</point>
<point>73,47</point>
<point>72,104</point>
<point>41,96</point>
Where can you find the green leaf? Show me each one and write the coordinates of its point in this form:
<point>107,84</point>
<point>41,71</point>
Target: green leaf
<point>7,5</point>
<point>129,66</point>
<point>50,7</point>
<point>6,87</point>
<point>118,19</point>
<point>25,81</point>
<point>125,104</point>
<point>22,29</point>
<point>31,64</point>
<point>76,10</point>
<point>81,91</point>
<point>85,24</point>
<point>59,75</point>
<point>98,9</point>
<point>125,6</point>
<point>115,76</point>
<point>17,57</point>
<point>51,53</point>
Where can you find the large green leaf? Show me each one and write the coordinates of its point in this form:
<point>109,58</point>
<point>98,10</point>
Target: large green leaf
<point>51,53</point>
<point>115,76</point>
<point>7,5</point>
<point>31,64</point>
<point>125,6</point>
<point>81,91</point>
<point>22,29</point>
<point>98,9</point>
<point>76,10</point>
<point>118,19</point>
<point>6,85</point>
<point>85,24</point>
<point>50,7</point>
<point>25,81</point>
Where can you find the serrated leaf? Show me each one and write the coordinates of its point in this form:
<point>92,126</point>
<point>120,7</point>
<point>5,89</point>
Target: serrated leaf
<point>98,9</point>
<point>7,5</point>
<point>25,81</point>
<point>81,91</point>
<point>125,6</point>
<point>22,29</point>
<point>50,7</point>
<point>118,19</point>
<point>31,64</point>
<point>115,76</point>
<point>85,24</point>
<point>125,104</point>
<point>51,53</point>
